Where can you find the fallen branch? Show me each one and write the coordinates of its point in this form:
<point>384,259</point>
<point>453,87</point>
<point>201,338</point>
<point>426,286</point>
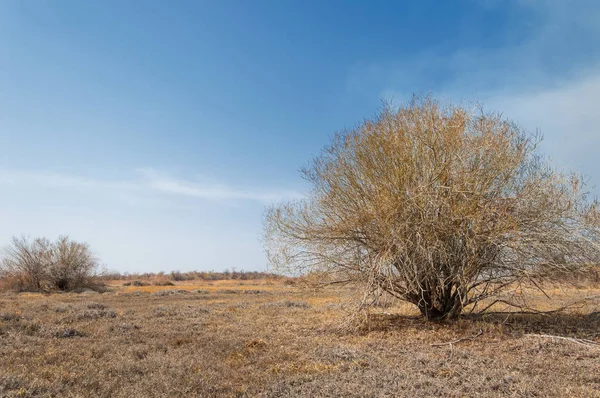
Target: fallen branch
<point>585,342</point>
<point>450,343</point>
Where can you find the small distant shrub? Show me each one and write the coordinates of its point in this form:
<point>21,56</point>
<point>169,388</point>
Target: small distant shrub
<point>61,309</point>
<point>287,304</point>
<point>241,291</point>
<point>296,304</point>
<point>256,343</point>
<point>163,311</point>
<point>73,264</point>
<point>163,282</point>
<point>68,333</point>
<point>14,282</point>
<point>123,327</point>
<point>86,290</point>
<point>8,316</point>
<point>136,283</point>
<point>96,314</point>
<point>230,291</point>
<point>162,293</point>
<point>180,276</point>
<point>41,265</point>
<point>96,306</point>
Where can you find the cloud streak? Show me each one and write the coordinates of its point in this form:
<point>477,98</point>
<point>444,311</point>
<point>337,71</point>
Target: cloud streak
<point>150,183</point>
<point>164,183</point>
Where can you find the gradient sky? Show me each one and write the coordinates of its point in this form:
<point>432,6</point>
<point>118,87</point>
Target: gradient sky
<point>158,131</point>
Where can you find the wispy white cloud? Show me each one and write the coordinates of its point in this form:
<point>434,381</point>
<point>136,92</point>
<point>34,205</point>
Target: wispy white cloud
<point>151,182</point>
<point>164,183</point>
<point>566,115</point>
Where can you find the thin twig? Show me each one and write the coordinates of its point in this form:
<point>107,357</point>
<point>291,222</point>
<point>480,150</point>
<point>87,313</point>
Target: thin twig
<point>585,342</point>
<point>459,340</point>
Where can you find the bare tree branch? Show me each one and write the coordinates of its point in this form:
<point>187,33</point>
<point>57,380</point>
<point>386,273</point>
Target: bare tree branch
<point>437,206</point>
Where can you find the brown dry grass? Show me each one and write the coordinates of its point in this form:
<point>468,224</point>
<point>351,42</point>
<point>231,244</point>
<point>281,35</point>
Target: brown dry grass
<point>270,339</point>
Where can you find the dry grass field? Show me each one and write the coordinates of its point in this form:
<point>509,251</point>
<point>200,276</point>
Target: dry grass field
<point>270,339</point>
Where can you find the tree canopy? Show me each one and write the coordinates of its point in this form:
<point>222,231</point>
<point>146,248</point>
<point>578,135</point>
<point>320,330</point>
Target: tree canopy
<point>440,206</point>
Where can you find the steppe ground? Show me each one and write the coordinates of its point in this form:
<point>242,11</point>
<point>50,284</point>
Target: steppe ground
<point>270,339</point>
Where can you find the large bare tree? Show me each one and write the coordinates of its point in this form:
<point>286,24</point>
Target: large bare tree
<point>440,206</point>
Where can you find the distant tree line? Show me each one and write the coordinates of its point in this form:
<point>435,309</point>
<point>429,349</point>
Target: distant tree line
<point>178,276</point>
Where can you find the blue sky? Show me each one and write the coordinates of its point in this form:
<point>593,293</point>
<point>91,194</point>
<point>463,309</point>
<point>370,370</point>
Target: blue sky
<point>158,131</point>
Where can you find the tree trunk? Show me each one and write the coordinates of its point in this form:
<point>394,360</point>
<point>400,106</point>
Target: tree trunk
<point>448,306</point>
<point>429,312</point>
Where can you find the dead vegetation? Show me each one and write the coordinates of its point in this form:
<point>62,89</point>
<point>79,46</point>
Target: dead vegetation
<point>199,339</point>
<point>438,206</point>
<point>41,265</point>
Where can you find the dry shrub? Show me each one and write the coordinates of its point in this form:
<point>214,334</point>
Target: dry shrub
<point>286,304</point>
<point>67,333</point>
<point>41,265</point>
<point>230,291</point>
<point>8,316</point>
<point>15,282</point>
<point>162,311</point>
<point>290,281</point>
<point>162,293</point>
<point>91,314</point>
<point>136,283</point>
<point>162,282</point>
<point>254,291</point>
<point>183,276</point>
<point>256,344</point>
<point>438,206</point>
